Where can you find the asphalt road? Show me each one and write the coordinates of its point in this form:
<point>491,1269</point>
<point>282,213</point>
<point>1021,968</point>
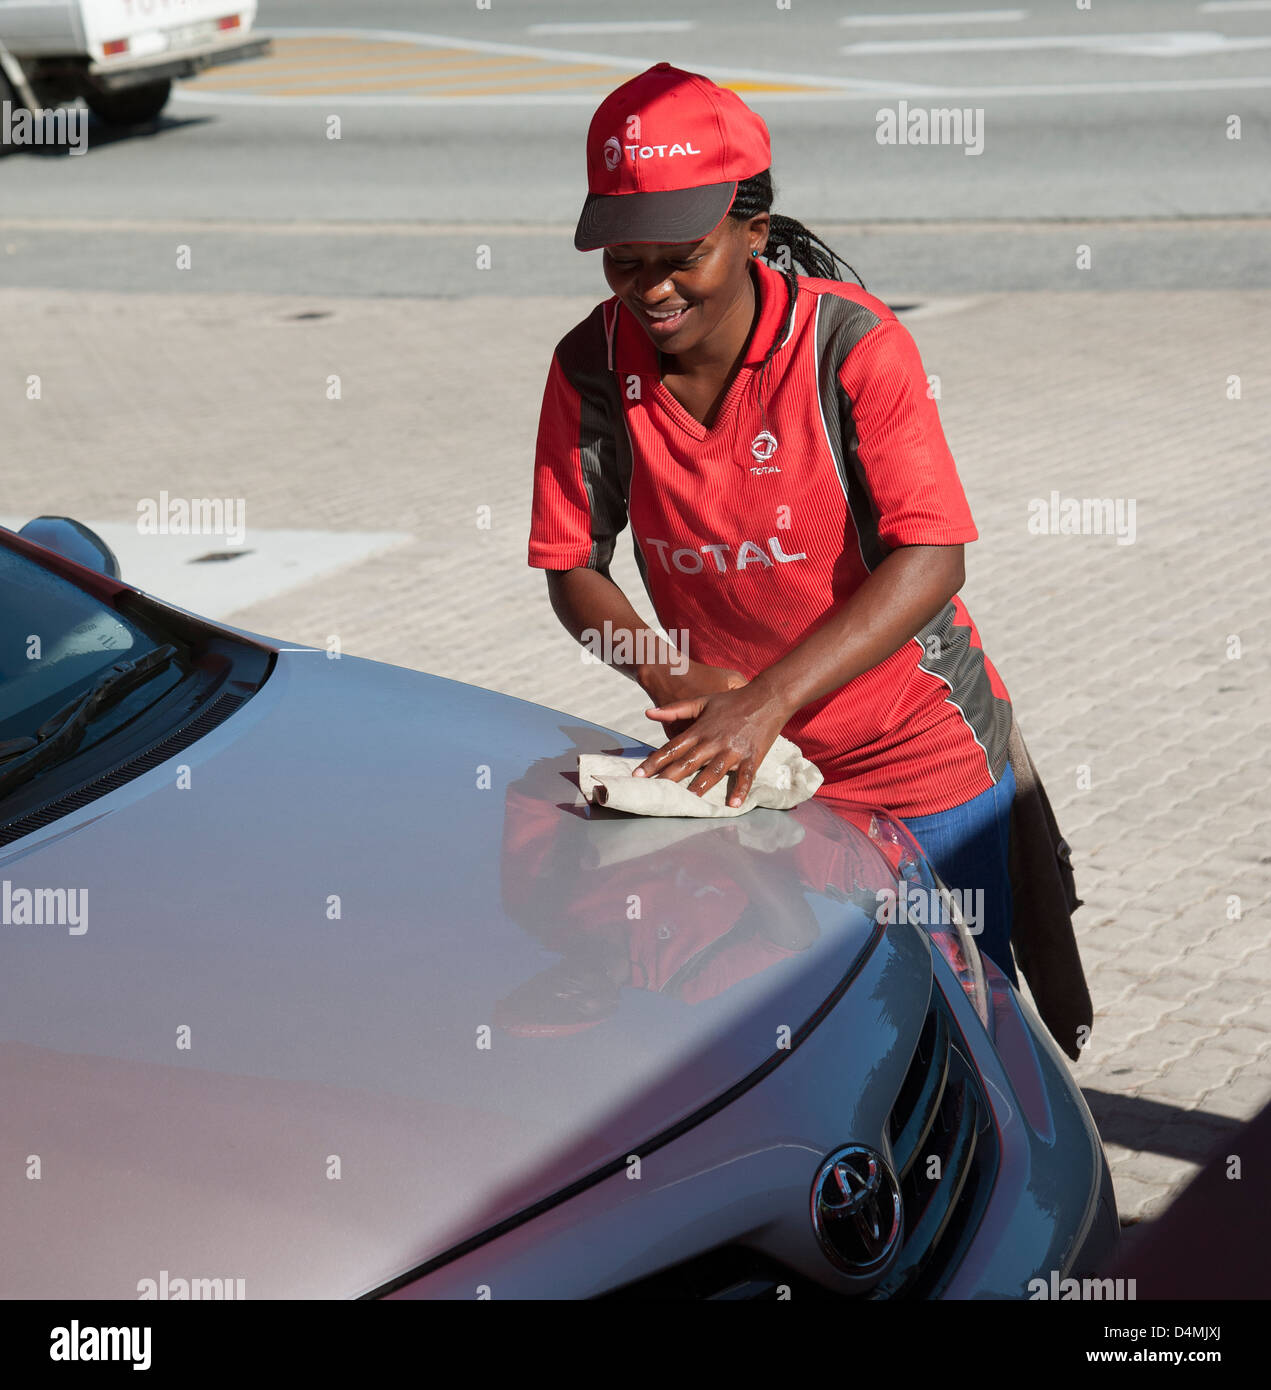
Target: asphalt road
<point>463,127</point>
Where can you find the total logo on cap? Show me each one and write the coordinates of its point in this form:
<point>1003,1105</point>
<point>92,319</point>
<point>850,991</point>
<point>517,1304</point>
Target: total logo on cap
<point>665,152</point>
<point>615,149</point>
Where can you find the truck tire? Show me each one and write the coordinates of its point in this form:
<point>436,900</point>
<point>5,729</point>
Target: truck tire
<point>129,105</point>
<point>6,94</point>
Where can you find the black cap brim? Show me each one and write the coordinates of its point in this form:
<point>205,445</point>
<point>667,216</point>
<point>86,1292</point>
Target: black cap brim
<point>683,214</point>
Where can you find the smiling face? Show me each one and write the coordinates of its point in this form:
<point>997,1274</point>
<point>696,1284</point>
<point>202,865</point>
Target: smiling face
<point>686,293</point>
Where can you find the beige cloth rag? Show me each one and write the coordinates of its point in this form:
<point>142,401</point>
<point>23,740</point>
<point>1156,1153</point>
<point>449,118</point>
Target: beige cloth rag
<point>783,779</point>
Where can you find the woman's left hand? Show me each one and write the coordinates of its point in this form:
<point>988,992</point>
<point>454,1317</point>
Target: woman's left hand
<point>731,732</point>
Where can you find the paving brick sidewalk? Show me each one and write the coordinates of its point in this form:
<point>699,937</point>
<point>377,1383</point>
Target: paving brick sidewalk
<point>1151,732</point>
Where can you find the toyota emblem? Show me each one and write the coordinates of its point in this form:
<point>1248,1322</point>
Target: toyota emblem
<point>856,1210</point>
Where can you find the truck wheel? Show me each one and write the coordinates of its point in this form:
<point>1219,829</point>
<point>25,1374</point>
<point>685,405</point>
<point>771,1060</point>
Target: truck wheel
<point>6,94</point>
<point>129,105</point>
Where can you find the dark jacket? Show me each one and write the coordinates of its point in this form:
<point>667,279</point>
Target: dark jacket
<point>1044,897</point>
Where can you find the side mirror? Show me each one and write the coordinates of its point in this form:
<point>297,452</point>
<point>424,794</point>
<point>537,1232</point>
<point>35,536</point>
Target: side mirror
<point>73,540</point>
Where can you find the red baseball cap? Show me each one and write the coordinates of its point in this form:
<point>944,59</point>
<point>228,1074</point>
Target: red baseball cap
<point>665,153</point>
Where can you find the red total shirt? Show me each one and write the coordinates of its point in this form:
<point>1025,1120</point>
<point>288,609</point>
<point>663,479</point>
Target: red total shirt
<point>749,533</point>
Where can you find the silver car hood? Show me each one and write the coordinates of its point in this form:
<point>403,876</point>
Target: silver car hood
<point>359,978</point>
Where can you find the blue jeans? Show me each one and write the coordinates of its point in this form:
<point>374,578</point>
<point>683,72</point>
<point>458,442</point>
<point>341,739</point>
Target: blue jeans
<point>967,846</point>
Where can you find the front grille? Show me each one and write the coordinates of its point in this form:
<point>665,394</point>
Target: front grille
<point>945,1151</point>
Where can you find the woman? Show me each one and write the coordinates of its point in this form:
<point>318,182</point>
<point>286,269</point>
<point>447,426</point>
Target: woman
<point>797,516</point>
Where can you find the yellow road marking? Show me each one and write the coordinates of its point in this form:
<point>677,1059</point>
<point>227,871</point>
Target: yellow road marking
<point>350,72</point>
<point>748,85</point>
<point>321,66</point>
<point>342,63</point>
<point>533,83</point>
<point>400,72</point>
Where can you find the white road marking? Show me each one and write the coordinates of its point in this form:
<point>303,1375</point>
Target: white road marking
<point>557,231</point>
<point>836,88</point>
<point>1155,45</point>
<point>268,563</point>
<point>877,91</point>
<point>614,26</point>
<point>165,226</point>
<point>623,62</point>
<point>881,21</point>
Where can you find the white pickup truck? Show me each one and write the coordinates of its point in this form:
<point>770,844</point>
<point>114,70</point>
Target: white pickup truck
<point>119,55</point>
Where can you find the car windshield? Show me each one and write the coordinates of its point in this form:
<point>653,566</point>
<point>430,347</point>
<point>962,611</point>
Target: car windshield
<point>55,641</point>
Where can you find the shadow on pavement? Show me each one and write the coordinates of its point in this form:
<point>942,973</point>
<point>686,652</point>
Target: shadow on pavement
<point>1151,1125</point>
<point>98,135</point>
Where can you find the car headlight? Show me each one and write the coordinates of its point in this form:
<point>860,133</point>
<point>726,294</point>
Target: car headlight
<point>939,914</point>
<point>952,938</point>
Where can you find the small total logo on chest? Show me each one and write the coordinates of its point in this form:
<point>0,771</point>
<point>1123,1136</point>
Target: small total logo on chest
<point>762,447</point>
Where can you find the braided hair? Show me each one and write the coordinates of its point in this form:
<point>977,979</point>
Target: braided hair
<point>805,248</point>
<point>802,247</point>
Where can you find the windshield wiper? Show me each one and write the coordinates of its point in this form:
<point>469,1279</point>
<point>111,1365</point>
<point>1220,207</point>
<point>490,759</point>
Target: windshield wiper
<point>60,733</point>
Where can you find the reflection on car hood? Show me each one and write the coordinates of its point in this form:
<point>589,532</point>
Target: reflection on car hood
<point>357,978</point>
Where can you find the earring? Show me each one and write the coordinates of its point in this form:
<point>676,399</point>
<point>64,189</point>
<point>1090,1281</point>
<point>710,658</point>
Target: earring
<point>754,253</point>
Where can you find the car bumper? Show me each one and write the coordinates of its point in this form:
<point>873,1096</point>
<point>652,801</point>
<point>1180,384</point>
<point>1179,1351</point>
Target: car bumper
<point>737,1183</point>
<point>112,78</point>
<point>1053,1211</point>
